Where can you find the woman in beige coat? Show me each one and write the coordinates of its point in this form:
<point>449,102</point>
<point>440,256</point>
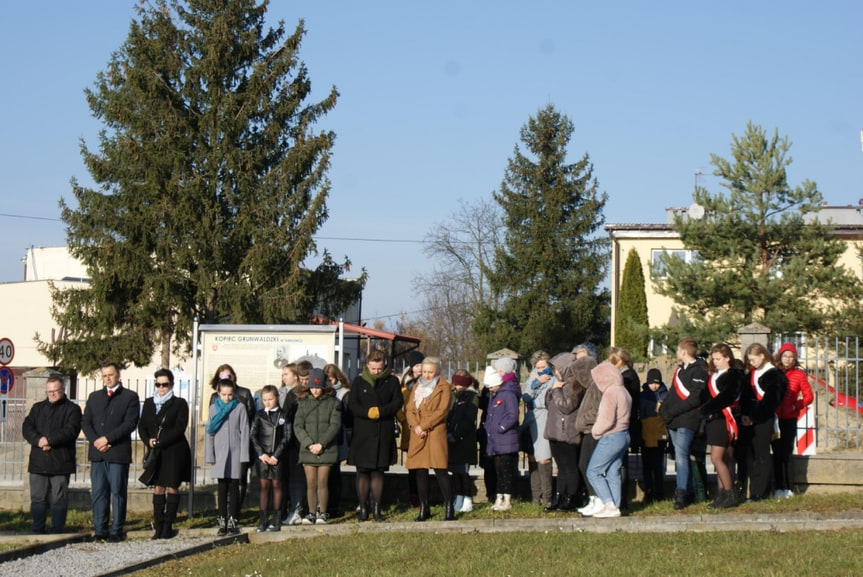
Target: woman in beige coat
<point>426,414</point>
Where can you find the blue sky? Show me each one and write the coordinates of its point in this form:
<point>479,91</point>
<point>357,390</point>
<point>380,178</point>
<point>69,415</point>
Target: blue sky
<point>433,96</point>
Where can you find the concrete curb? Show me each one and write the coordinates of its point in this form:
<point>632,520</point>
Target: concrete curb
<point>782,522</point>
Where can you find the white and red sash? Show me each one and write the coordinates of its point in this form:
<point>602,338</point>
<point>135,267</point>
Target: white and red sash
<point>756,388</point>
<point>679,387</point>
<point>727,412</point>
<point>759,392</point>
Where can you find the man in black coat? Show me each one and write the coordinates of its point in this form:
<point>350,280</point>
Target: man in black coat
<point>51,428</point>
<point>110,416</point>
<point>680,413</point>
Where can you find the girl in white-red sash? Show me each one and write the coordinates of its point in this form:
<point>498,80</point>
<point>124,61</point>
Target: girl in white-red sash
<point>759,399</point>
<point>723,386</point>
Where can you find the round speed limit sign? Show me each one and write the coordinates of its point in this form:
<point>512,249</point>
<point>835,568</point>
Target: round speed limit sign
<point>7,351</point>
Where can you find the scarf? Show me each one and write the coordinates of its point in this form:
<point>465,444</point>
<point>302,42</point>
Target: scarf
<point>159,401</point>
<point>373,379</point>
<point>423,389</point>
<point>223,409</point>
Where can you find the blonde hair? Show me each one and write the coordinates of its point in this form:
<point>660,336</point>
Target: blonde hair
<point>619,354</point>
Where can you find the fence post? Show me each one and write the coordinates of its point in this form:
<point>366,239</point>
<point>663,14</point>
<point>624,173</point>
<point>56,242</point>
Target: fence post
<point>754,333</point>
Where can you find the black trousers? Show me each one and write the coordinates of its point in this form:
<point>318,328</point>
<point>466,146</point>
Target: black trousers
<point>568,475</point>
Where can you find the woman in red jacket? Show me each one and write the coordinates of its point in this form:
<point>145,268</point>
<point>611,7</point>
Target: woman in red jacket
<point>797,398</point>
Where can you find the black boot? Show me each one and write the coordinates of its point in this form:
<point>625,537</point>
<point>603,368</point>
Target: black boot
<point>172,503</point>
<point>364,512</point>
<point>681,499</point>
<point>275,524</point>
<point>555,504</point>
<point>262,522</point>
<point>158,515</point>
<point>376,512</point>
<point>568,503</point>
<point>449,511</point>
<point>424,512</point>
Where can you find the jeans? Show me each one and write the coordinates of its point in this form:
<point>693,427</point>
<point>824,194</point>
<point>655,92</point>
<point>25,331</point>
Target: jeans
<point>109,483</point>
<point>681,438</point>
<point>603,472</point>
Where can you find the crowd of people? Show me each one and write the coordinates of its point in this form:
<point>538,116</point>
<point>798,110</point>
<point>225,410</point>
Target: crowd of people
<point>574,413</point>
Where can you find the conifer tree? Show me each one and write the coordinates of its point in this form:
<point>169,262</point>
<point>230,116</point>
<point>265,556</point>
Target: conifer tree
<point>631,322</point>
<point>210,182</point>
<point>547,271</point>
<point>757,257</point>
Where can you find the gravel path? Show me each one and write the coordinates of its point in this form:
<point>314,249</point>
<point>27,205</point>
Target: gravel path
<point>98,559</point>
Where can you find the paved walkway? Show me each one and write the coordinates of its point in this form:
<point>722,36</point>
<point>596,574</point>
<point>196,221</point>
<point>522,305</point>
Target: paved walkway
<point>782,522</point>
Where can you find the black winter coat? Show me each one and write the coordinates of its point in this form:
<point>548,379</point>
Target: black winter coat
<point>682,411</point>
<point>60,423</point>
<point>774,384</point>
<point>633,387</point>
<point>175,456</point>
<point>373,443</point>
<point>461,428</point>
<point>730,384</point>
<point>115,418</point>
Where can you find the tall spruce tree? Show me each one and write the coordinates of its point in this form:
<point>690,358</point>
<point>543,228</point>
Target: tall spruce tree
<point>547,272</point>
<point>631,322</point>
<point>210,181</point>
<point>755,257</point>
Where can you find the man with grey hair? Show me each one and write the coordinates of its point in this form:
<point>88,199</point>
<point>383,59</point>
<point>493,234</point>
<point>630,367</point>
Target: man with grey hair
<point>51,428</point>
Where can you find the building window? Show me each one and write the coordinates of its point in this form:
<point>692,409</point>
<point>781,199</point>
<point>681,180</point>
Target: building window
<point>657,268</point>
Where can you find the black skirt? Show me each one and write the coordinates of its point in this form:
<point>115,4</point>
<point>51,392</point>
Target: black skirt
<point>717,432</point>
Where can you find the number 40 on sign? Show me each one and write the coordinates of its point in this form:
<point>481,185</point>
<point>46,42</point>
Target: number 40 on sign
<point>7,351</point>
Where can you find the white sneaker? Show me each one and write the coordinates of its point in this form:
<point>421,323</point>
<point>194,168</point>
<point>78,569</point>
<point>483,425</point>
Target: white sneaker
<point>608,510</point>
<point>788,493</point>
<point>467,505</point>
<point>778,494</point>
<point>294,518</point>
<point>597,506</point>
<point>506,505</point>
<point>498,502</point>
<point>592,506</point>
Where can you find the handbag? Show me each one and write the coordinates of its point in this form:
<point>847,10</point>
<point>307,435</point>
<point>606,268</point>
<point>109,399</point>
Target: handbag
<point>151,467</point>
<point>152,458</point>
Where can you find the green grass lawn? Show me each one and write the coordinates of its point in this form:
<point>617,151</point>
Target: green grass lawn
<point>533,554</point>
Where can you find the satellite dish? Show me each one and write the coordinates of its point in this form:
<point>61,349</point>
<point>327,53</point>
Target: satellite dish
<point>696,211</point>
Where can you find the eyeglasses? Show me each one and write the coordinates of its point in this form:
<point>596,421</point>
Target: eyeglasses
<point>161,384</point>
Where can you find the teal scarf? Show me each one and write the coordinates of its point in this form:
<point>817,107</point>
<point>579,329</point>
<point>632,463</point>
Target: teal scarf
<point>223,409</point>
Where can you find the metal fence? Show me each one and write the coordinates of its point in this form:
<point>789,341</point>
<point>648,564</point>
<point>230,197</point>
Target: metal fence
<point>833,365</point>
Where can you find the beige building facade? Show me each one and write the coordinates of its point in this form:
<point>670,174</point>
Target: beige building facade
<point>649,240</point>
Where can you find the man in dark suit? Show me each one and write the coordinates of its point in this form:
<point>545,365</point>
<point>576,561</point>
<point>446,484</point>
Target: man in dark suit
<point>110,416</point>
